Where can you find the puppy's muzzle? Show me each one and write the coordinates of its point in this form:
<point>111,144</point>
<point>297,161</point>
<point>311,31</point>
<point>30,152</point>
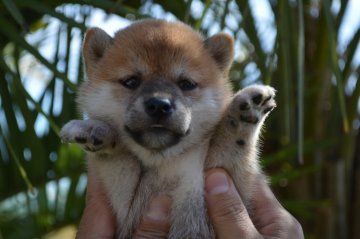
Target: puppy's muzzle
<point>159,108</point>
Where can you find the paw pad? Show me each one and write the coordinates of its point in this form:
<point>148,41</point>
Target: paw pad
<point>91,135</point>
<point>240,142</point>
<point>244,106</point>
<point>257,99</point>
<point>254,103</point>
<point>96,141</point>
<point>80,140</point>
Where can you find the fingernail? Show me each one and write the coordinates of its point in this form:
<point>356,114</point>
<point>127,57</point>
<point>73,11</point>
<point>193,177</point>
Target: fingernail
<point>217,183</point>
<point>159,209</point>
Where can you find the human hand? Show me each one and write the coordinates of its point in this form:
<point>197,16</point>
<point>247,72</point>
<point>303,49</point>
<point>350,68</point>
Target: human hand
<point>98,220</point>
<point>226,210</point>
<point>230,218</point>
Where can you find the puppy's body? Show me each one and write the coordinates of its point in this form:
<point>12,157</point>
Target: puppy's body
<point>157,97</point>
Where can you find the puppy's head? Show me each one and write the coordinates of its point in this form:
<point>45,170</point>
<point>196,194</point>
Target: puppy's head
<point>160,83</point>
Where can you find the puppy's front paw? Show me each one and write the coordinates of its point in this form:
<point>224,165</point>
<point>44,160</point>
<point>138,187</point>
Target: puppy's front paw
<point>254,103</point>
<point>91,135</point>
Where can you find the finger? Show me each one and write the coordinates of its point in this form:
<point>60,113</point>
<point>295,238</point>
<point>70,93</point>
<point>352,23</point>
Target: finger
<point>94,186</point>
<point>227,212</point>
<point>98,220</point>
<point>270,218</point>
<point>156,221</point>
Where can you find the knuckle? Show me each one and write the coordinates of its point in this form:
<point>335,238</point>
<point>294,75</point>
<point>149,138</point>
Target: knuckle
<point>229,210</point>
<point>149,233</point>
<point>296,229</point>
<point>152,229</point>
<point>288,226</point>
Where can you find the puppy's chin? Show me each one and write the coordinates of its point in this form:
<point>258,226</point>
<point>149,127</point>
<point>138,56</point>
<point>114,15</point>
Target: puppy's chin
<point>156,138</point>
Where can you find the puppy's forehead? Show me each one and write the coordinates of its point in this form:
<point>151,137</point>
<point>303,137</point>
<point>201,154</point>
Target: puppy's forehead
<point>159,44</point>
<point>155,33</point>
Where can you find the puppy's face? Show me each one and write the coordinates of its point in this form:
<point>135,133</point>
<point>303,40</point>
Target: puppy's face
<point>161,84</point>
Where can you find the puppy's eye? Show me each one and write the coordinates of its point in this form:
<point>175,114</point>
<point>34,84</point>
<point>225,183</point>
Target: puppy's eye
<point>186,84</point>
<point>131,82</point>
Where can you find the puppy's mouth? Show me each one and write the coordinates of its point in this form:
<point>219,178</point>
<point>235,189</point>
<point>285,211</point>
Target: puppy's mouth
<point>156,137</point>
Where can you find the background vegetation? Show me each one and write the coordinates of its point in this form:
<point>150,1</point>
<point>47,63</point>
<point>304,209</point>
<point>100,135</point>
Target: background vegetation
<point>311,147</point>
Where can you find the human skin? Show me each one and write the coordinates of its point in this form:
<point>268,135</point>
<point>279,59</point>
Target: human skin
<point>230,218</point>
<point>227,213</point>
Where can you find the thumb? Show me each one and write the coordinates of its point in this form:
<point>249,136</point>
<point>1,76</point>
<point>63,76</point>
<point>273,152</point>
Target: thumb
<point>227,212</point>
<point>155,223</point>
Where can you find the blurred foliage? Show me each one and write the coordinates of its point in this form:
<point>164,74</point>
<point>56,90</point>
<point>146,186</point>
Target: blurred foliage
<point>311,147</point>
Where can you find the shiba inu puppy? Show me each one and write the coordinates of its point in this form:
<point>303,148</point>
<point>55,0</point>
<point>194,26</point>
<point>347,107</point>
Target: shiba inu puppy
<point>159,110</point>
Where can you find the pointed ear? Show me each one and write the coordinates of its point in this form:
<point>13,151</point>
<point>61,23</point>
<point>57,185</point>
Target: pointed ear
<point>221,48</point>
<point>95,43</point>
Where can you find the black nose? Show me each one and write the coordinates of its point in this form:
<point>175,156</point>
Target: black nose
<point>158,107</point>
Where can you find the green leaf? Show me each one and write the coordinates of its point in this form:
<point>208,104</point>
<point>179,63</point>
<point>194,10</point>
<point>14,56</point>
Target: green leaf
<point>350,54</point>
<point>24,92</point>
<point>305,208</point>
<point>118,9</point>
<point>284,42</point>
<point>21,169</point>
<point>294,173</point>
<point>186,18</point>
<point>340,16</point>
<point>14,11</point>
<point>199,22</point>
<point>334,64</point>
<point>38,6</point>
<point>9,30</point>
<point>300,80</point>
<point>249,27</point>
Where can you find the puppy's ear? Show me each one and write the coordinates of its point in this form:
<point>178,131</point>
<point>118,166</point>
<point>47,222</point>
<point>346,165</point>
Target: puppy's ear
<point>221,48</point>
<point>95,43</point>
